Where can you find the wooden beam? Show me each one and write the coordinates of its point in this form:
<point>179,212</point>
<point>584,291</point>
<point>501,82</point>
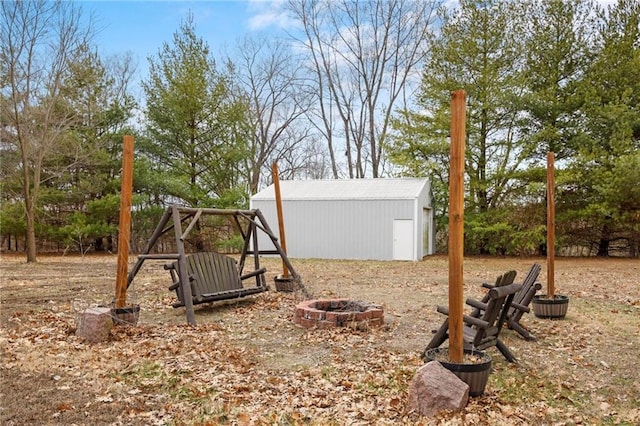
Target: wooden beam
<point>551,225</point>
<point>456,225</point>
<point>185,283</point>
<point>191,225</point>
<point>214,211</point>
<point>283,242</point>
<point>124,227</point>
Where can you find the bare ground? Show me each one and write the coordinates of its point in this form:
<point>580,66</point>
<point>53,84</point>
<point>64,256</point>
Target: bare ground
<point>246,362</point>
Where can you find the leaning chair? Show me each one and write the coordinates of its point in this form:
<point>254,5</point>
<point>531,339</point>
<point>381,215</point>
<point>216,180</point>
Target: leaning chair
<point>483,332</point>
<point>519,304</point>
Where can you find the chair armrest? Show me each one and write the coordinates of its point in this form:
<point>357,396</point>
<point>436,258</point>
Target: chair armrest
<point>475,321</point>
<point>487,285</point>
<point>505,290</point>
<point>520,307</point>
<point>443,310</point>
<point>253,274</point>
<point>466,318</point>
<point>477,304</point>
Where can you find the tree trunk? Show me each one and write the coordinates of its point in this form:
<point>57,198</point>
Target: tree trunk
<point>605,240</point>
<point>31,232</point>
<point>29,201</point>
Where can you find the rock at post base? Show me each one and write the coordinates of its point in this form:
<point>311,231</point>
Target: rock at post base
<point>94,324</point>
<point>434,388</point>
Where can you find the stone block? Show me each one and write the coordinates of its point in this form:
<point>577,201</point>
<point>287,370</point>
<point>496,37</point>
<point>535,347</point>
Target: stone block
<point>434,388</point>
<point>94,324</point>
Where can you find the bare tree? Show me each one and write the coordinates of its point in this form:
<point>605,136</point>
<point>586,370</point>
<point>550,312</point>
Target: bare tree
<point>38,41</point>
<point>362,54</point>
<point>271,79</point>
<point>308,161</point>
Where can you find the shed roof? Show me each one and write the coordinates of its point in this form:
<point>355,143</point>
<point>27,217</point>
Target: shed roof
<point>346,189</point>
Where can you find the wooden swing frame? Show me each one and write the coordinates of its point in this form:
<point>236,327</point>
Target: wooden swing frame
<point>175,216</point>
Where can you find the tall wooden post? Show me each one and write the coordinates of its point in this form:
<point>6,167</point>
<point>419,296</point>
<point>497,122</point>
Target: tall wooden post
<point>124,227</point>
<point>456,225</point>
<point>283,243</point>
<point>551,225</point>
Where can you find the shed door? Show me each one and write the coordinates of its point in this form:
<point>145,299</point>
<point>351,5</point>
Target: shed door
<point>402,239</point>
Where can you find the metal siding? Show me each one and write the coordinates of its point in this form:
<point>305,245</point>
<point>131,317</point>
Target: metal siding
<point>423,201</point>
<point>346,189</point>
<point>343,228</point>
<point>337,229</point>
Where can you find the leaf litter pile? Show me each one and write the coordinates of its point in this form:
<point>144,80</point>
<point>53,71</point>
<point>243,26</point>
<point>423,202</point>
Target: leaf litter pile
<point>246,362</point>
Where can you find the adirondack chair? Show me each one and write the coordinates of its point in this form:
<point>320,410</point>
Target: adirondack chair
<point>483,332</point>
<point>214,277</point>
<point>520,302</point>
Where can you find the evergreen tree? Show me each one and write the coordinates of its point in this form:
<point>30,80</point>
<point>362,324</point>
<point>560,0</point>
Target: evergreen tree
<point>478,50</point>
<point>604,204</point>
<point>557,53</point>
<point>197,136</point>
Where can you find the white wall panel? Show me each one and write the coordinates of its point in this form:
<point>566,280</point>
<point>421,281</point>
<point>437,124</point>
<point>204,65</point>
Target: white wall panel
<point>345,228</point>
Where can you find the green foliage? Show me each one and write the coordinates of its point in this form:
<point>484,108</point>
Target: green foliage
<point>144,218</point>
<point>421,149</point>
<point>233,243</point>
<point>105,209</point>
<point>12,220</point>
<point>196,140</point>
<point>539,75</point>
<point>557,54</point>
<point>602,185</point>
<point>574,90</point>
<point>81,231</point>
<point>499,233</point>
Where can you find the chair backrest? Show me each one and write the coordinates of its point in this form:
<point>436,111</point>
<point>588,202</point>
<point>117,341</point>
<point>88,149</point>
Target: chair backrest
<point>527,284</point>
<point>212,273</point>
<point>498,303</point>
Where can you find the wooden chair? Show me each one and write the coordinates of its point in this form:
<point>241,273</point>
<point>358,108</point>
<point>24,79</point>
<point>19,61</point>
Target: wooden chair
<point>483,332</point>
<point>214,277</point>
<point>520,303</point>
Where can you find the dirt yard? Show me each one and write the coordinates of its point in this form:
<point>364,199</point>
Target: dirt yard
<point>246,362</point>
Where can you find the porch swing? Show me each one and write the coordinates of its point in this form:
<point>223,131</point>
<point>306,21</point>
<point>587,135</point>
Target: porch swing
<point>204,276</point>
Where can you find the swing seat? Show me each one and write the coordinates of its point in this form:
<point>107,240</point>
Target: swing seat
<point>214,277</point>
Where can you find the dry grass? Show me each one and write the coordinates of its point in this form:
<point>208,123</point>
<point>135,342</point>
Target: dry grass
<point>247,363</point>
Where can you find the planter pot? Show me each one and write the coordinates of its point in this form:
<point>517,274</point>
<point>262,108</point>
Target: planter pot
<point>474,374</point>
<point>555,308</point>
<point>127,315</point>
<point>287,284</point>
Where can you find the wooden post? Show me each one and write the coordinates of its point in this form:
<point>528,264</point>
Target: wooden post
<point>456,225</point>
<point>185,283</point>
<point>124,227</point>
<point>551,225</point>
<point>283,243</point>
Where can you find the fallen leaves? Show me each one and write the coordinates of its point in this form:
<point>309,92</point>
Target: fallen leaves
<point>247,363</point>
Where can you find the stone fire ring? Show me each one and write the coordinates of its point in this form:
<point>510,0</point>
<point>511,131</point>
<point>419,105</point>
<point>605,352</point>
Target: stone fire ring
<point>329,313</point>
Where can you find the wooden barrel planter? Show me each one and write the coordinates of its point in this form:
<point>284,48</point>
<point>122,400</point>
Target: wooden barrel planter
<point>285,284</point>
<point>475,374</point>
<point>550,308</point>
<point>127,315</point>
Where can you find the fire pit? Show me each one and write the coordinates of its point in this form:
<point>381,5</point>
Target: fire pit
<point>328,313</point>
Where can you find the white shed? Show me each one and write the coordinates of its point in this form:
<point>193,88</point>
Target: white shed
<point>381,219</point>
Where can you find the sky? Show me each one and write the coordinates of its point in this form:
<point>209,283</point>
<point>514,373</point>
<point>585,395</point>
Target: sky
<point>141,27</point>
